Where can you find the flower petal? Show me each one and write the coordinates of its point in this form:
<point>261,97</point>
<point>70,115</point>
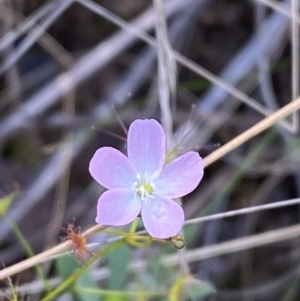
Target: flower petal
<point>180,176</point>
<point>162,217</point>
<point>146,147</point>
<point>112,169</point>
<point>117,207</point>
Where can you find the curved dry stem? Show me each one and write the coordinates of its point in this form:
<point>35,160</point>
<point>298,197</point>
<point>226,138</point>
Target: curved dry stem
<point>32,261</point>
<point>253,131</point>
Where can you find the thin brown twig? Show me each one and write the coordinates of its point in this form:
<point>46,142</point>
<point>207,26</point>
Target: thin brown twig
<point>43,256</point>
<point>253,131</point>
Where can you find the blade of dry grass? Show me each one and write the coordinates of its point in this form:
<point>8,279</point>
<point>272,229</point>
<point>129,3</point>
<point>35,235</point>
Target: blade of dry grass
<point>248,210</point>
<point>253,131</point>
<point>166,70</point>
<point>30,262</point>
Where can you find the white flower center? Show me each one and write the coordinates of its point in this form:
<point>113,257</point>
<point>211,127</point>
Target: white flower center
<point>143,189</point>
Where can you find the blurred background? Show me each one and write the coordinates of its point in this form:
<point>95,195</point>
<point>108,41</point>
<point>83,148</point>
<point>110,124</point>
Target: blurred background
<point>70,70</point>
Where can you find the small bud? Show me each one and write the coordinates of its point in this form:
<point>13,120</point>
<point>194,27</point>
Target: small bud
<point>179,243</point>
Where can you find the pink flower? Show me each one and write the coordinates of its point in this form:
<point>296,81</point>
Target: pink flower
<point>140,183</point>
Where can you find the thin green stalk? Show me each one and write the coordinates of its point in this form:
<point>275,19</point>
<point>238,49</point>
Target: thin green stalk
<point>134,225</point>
<point>292,291</point>
<point>115,293</point>
<point>72,279</point>
<point>29,252</point>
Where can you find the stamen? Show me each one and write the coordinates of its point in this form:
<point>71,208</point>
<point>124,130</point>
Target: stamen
<point>144,190</point>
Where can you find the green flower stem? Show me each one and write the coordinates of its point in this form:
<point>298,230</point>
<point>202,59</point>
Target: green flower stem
<point>114,293</point>
<point>140,241</point>
<point>134,225</point>
<point>115,232</point>
<point>72,279</point>
<point>29,252</point>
